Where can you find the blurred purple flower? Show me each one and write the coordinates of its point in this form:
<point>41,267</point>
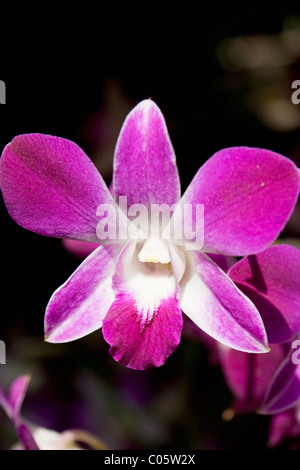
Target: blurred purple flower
<point>269,384</point>
<point>282,399</point>
<point>271,279</point>
<point>284,425</point>
<point>135,290</point>
<point>33,437</point>
<point>284,390</point>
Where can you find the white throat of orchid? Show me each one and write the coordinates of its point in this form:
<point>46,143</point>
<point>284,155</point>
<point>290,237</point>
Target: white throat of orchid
<point>156,251</point>
<point>152,270</point>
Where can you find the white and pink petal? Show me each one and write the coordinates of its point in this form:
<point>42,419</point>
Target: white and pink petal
<point>78,307</point>
<point>213,302</point>
<point>143,326</point>
<point>144,163</point>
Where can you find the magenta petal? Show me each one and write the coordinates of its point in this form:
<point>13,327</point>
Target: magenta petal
<point>248,196</point>
<point>284,391</point>
<point>249,375</point>
<point>144,167</point>
<point>271,279</point>
<point>51,187</point>
<point>217,306</point>
<point>78,306</point>
<point>139,347</point>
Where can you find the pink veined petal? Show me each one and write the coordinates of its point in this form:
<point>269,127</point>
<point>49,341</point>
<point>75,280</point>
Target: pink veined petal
<point>77,307</point>
<point>248,196</point>
<point>284,390</point>
<point>271,279</point>
<point>249,375</point>
<point>144,164</point>
<point>144,324</point>
<point>217,306</point>
<point>51,187</point>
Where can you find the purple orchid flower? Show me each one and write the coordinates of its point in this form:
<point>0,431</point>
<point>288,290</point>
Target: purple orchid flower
<point>33,437</point>
<point>271,279</point>
<point>135,289</point>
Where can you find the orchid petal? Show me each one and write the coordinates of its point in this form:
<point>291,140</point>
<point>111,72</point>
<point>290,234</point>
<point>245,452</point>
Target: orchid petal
<point>12,406</point>
<point>284,391</point>
<point>17,394</point>
<point>248,196</point>
<point>249,375</point>
<point>26,437</point>
<point>51,187</point>
<point>77,307</point>
<point>4,403</point>
<point>215,304</point>
<point>224,262</point>
<point>144,324</point>
<point>12,403</point>
<point>144,166</point>
<point>283,425</point>
<point>271,279</point>
<point>79,248</point>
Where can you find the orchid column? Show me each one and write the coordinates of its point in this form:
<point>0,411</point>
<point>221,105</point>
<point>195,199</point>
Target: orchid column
<point>136,289</point>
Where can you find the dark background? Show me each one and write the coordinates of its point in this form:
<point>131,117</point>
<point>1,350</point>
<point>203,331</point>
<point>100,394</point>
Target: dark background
<point>76,73</point>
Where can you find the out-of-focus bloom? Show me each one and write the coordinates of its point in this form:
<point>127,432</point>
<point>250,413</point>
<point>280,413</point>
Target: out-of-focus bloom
<point>269,383</point>
<point>282,399</point>
<point>249,375</point>
<point>33,437</point>
<point>271,279</point>
<point>135,289</point>
<point>284,390</point>
<point>284,425</point>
